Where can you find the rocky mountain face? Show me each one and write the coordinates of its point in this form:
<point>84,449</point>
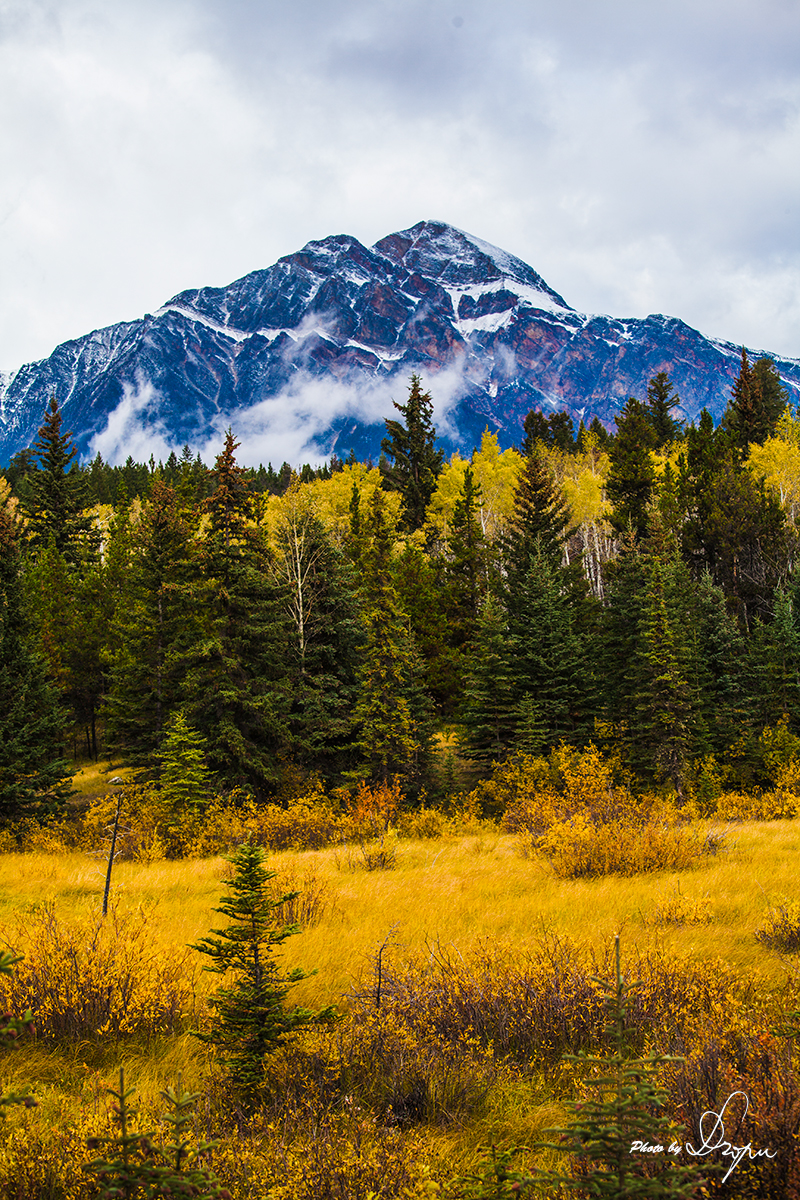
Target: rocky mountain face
<point>304,359</point>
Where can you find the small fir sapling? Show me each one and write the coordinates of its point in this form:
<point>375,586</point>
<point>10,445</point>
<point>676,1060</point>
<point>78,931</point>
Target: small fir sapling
<point>250,1017</point>
<point>139,1168</point>
<point>627,1109</point>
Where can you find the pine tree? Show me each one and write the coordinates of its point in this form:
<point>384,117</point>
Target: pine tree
<point>630,485</point>
<point>416,462</point>
<point>234,689</point>
<point>58,494</point>
<point>325,637</point>
<point>184,778</point>
<point>393,712</point>
<point>666,726</point>
<point>466,568</point>
<point>751,416</point>
<point>490,712</point>
<point>547,654</point>
<point>156,626</point>
<point>540,524</point>
<point>140,1167</point>
<point>661,399</point>
<point>250,1015</point>
<point>33,778</point>
<point>626,1108</point>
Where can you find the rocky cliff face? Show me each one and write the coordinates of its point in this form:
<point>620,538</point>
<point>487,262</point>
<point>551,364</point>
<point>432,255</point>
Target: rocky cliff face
<point>304,359</point>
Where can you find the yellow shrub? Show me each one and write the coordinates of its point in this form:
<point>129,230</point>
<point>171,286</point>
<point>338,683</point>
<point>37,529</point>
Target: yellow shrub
<point>577,847</point>
<point>781,928</point>
<point>760,806</point>
<point>97,979</point>
<point>681,910</point>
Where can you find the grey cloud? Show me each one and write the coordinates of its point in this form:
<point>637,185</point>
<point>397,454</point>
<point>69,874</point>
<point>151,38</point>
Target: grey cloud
<point>642,157</point>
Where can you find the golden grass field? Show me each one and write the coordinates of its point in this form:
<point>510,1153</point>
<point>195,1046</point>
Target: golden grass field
<point>455,891</point>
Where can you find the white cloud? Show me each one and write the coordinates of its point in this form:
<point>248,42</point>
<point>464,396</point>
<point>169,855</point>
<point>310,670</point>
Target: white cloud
<point>641,157</point>
<point>127,432</point>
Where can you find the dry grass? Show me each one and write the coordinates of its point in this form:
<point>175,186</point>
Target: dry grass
<point>454,893</point>
<point>455,890</point>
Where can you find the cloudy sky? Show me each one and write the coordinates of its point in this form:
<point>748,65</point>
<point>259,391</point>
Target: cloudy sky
<point>643,157</point>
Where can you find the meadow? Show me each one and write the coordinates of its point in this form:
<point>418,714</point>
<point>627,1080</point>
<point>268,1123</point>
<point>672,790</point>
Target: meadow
<point>400,1098</point>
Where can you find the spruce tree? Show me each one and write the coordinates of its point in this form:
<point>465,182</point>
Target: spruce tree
<point>540,524</point>
<point>58,495</point>
<point>490,711</point>
<point>466,567</point>
<point>631,479</point>
<point>250,1015</point>
<point>547,654</point>
<point>324,640</point>
<point>393,710</point>
<point>33,777</point>
<point>661,399</point>
<point>667,702</point>
<point>416,463</point>
<point>157,624</point>
<point>184,778</point>
<point>234,688</point>
<point>751,414</point>
<point>625,1108</point>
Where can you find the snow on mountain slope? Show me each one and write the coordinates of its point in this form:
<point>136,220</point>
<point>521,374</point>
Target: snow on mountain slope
<point>304,358</point>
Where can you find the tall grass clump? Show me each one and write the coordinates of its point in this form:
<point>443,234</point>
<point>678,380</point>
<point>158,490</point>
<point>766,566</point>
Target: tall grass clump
<point>781,928</point>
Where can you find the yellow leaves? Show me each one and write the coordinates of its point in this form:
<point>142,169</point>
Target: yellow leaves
<point>96,979</point>
<point>585,496</point>
<point>329,500</point>
<point>778,463</point>
<point>495,471</point>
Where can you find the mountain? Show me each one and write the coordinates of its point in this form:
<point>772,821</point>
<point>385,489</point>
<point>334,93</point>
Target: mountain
<point>304,359</point>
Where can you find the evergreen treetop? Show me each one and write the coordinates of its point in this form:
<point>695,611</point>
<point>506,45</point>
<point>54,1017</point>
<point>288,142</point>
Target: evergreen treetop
<point>411,444</point>
<point>58,494</point>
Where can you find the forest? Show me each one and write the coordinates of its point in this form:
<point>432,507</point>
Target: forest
<point>513,740</point>
<point>635,591</point>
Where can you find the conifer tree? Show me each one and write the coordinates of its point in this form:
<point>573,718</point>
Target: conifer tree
<point>630,485</point>
<point>774,664</point>
<point>751,415</point>
<point>250,1015</point>
<point>466,569</point>
<point>33,777</point>
<point>661,399</point>
<point>234,688</point>
<point>625,1107</point>
<point>540,522</point>
<point>325,636</point>
<point>184,778</point>
<point>490,712</point>
<point>156,625</point>
<point>58,494</point>
<point>416,463</point>
<point>392,711</point>
<point>723,655</point>
<point>547,654</point>
<point>666,726</point>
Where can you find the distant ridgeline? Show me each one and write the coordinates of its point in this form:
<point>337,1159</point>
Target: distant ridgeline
<point>285,632</point>
<point>305,358</point>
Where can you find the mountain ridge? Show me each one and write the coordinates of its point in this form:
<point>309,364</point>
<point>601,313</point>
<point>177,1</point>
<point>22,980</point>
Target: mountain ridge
<point>304,358</point>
